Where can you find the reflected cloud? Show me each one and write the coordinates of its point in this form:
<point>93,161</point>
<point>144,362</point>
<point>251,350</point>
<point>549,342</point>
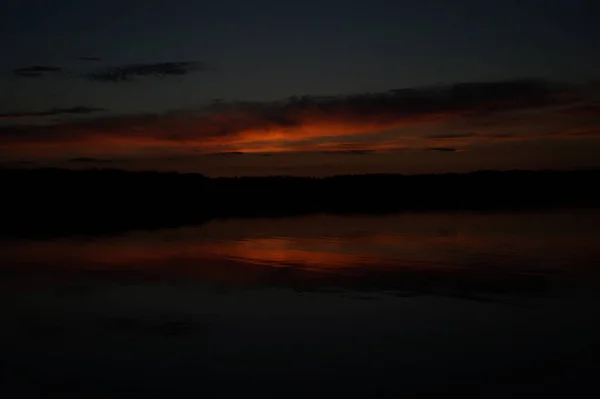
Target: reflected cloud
<point>485,257</point>
<point>287,251</point>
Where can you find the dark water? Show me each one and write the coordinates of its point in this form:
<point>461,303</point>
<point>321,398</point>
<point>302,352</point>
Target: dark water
<point>409,305</point>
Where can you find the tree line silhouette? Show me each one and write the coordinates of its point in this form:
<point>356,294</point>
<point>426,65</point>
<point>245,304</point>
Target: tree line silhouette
<point>50,201</point>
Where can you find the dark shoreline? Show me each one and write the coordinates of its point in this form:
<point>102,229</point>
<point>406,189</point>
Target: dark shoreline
<point>59,202</point>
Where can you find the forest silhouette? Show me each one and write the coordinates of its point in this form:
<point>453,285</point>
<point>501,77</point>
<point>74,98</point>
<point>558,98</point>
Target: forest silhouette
<point>50,202</point>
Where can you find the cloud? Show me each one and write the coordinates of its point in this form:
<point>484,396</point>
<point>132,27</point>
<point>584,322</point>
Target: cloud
<point>79,110</point>
<point>159,70</point>
<point>35,71</point>
<point>229,153</point>
<point>414,118</point>
<point>450,135</point>
<point>442,149</point>
<point>352,152</point>
<point>88,160</point>
<point>118,73</point>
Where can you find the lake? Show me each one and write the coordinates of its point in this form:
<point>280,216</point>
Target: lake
<point>497,304</point>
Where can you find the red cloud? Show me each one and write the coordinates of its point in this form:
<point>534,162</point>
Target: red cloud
<point>308,123</point>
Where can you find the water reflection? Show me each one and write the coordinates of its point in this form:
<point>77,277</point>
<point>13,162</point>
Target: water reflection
<point>458,254</point>
<point>467,305</point>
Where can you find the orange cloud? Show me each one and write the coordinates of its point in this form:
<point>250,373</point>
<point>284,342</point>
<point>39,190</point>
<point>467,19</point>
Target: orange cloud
<point>368,122</point>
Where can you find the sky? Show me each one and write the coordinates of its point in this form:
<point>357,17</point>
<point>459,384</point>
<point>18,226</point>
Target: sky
<point>301,88</point>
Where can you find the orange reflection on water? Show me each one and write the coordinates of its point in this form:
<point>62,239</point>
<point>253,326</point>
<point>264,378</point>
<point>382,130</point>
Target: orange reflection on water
<point>249,250</point>
<point>282,251</point>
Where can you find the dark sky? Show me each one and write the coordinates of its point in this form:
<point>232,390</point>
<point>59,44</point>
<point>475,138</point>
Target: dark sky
<point>132,83</point>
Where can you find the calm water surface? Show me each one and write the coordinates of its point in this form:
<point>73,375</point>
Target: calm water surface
<point>480,304</point>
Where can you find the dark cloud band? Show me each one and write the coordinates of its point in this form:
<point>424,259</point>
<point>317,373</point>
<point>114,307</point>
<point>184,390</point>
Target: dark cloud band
<point>132,71</point>
<point>79,110</point>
